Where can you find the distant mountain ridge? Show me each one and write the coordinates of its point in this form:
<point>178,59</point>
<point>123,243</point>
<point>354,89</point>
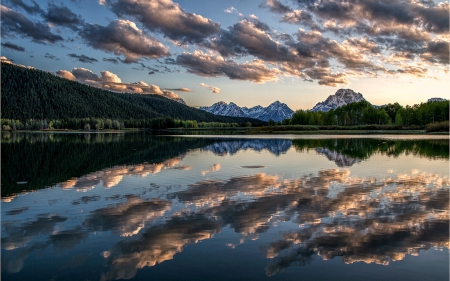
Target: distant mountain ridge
<point>276,111</point>
<point>340,98</point>
<point>436,99</point>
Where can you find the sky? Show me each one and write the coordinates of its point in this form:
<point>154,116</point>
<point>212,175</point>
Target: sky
<point>248,52</point>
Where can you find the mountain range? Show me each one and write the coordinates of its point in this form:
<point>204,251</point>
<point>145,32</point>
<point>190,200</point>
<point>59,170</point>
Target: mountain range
<point>276,111</point>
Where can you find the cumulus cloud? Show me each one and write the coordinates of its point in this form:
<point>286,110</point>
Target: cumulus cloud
<point>12,46</point>
<point>168,18</point>
<point>276,6</point>
<point>123,37</point>
<point>63,16</point>
<point>394,32</point>
<point>215,90</point>
<point>436,52</point>
<point>110,81</point>
<point>213,66</point>
<point>6,60</point>
<point>15,23</point>
<point>231,10</point>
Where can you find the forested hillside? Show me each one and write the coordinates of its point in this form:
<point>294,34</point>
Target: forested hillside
<point>34,94</point>
<point>363,113</point>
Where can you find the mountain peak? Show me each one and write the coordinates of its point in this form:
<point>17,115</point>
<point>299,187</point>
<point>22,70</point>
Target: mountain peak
<point>436,99</point>
<point>276,111</point>
<point>340,98</point>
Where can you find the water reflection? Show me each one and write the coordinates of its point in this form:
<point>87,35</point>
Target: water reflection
<point>148,212</point>
<point>274,146</point>
<point>158,244</point>
<point>126,219</point>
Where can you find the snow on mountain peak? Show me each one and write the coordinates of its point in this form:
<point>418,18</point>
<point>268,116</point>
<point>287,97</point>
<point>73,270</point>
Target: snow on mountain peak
<point>276,111</point>
<point>340,98</point>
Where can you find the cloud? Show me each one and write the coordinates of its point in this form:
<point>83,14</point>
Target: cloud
<point>276,6</point>
<point>5,60</point>
<point>394,32</point>
<point>186,90</point>
<point>123,37</point>
<point>326,77</point>
<point>12,46</point>
<point>231,10</point>
<point>84,74</point>
<point>63,16</point>
<point>83,58</point>
<point>436,52</point>
<point>414,71</point>
<point>15,23</point>
<point>206,65</point>
<point>215,90</point>
<point>30,9</point>
<point>168,18</point>
<point>110,81</point>
<point>50,56</point>
<point>250,37</point>
<point>111,60</point>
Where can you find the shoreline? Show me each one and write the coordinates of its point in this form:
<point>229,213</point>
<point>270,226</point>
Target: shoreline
<point>238,132</point>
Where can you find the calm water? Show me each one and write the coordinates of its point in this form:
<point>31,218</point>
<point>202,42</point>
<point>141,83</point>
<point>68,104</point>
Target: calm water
<point>142,207</point>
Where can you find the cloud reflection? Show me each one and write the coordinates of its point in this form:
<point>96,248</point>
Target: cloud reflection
<point>111,177</point>
<point>158,244</point>
<point>127,219</point>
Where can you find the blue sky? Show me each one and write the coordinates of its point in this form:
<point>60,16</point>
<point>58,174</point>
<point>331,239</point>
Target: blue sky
<point>250,52</point>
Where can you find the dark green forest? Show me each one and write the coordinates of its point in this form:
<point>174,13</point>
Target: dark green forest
<point>363,113</point>
<point>29,94</point>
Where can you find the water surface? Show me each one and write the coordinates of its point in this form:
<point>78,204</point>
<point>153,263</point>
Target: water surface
<point>140,207</point>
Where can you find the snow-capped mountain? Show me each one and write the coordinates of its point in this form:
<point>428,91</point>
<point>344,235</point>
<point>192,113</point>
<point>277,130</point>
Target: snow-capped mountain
<point>341,98</point>
<point>276,111</point>
<point>436,99</point>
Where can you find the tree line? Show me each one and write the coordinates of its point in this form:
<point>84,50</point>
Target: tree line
<point>363,113</point>
<point>97,124</point>
<point>39,95</point>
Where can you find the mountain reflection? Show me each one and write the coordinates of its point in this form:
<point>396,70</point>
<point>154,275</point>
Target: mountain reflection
<point>340,159</point>
<point>274,146</point>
